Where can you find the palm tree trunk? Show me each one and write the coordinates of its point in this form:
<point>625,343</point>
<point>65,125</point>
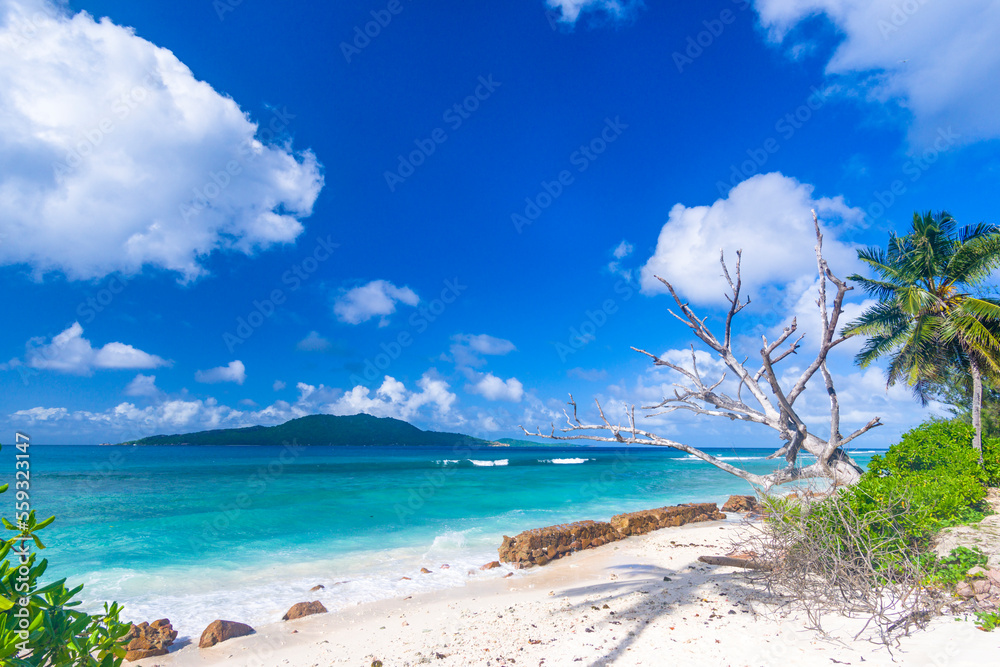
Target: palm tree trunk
<point>977,408</point>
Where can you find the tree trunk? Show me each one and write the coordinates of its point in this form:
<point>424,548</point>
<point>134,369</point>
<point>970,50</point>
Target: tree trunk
<point>977,408</point>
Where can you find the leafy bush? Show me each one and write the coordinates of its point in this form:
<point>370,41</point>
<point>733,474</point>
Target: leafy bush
<point>38,623</point>
<point>988,620</point>
<point>952,569</point>
<point>939,470</point>
<point>991,461</point>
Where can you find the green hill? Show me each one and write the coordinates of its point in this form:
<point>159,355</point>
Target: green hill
<point>357,430</point>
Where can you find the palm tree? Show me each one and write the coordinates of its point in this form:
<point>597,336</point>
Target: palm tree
<point>926,321</point>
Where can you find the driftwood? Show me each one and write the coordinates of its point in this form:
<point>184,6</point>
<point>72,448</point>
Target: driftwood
<point>731,561</point>
<point>769,403</point>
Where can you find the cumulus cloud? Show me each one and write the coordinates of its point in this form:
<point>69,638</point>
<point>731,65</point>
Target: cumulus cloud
<point>768,217</point>
<point>69,352</point>
<point>493,388</point>
<point>143,385</point>
<point>616,10</point>
<point>467,350</point>
<point>234,371</point>
<point>883,56</point>
<point>393,399</point>
<point>313,342</point>
<point>117,157</point>
<point>375,299</point>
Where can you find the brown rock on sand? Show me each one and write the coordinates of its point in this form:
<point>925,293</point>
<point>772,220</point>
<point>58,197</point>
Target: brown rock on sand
<point>492,564</point>
<point>741,504</point>
<point>220,631</point>
<point>301,609</point>
<point>148,640</point>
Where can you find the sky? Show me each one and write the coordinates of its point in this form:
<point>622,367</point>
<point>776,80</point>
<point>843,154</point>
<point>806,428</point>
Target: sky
<point>223,213</point>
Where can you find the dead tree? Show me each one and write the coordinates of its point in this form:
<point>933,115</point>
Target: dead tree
<point>772,404</point>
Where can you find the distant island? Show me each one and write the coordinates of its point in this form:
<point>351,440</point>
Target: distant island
<point>319,430</point>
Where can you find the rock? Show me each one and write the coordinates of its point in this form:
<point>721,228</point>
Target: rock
<point>640,523</point>
<point>300,609</point>
<point>981,586</point>
<point>741,504</point>
<point>541,545</point>
<point>489,566</point>
<point>424,570</point>
<point>975,571</point>
<point>317,587</point>
<point>964,590</point>
<point>148,640</point>
<point>445,566</point>
<point>509,574</point>
<point>220,631</point>
<point>405,579</point>
<point>984,536</point>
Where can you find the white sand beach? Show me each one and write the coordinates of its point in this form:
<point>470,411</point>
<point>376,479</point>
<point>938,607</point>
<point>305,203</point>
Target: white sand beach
<point>606,606</point>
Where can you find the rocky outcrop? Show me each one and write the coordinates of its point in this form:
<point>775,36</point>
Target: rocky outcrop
<point>640,523</point>
<point>741,504</point>
<point>982,585</point>
<point>984,535</point>
<point>542,545</point>
<point>220,631</point>
<point>148,640</point>
<point>301,609</point>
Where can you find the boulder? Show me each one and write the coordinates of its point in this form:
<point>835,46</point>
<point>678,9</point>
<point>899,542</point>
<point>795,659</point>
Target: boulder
<point>300,609</point>
<point>541,545</point>
<point>317,587</point>
<point>489,566</point>
<point>424,570</point>
<point>148,640</point>
<point>741,504</point>
<point>640,523</point>
<point>220,631</point>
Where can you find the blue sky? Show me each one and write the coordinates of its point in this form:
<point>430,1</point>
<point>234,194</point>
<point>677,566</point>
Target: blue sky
<point>224,213</point>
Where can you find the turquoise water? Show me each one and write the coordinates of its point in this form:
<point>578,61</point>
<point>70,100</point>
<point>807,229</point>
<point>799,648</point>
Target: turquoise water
<point>199,533</point>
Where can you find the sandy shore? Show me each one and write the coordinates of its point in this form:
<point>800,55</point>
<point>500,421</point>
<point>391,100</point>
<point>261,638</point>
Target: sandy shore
<point>606,606</point>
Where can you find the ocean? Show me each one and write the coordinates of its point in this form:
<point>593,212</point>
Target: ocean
<point>242,533</point>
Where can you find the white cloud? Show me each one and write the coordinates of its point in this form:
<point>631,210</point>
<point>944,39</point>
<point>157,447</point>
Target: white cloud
<point>278,385</point>
<point>70,352</point>
<point>235,371</point>
<point>934,60</point>
<point>313,342</point>
<point>768,217</point>
<point>467,350</point>
<point>393,399</point>
<point>621,251</point>
<point>116,157</point>
<point>618,10</point>
<point>493,388</point>
<point>375,299</point>
<point>143,385</point>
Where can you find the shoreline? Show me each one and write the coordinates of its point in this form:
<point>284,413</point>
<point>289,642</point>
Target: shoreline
<point>556,615</point>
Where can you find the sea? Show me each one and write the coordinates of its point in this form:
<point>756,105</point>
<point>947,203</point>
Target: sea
<point>197,533</point>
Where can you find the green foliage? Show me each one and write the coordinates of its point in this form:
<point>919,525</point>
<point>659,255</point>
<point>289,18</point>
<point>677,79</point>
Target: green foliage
<point>988,620</point>
<point>39,624</point>
<point>951,570</point>
<point>937,469</point>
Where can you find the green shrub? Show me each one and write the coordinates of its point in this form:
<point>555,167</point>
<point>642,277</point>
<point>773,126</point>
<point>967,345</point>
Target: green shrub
<point>938,469</point>
<point>38,622</point>
<point>991,461</point>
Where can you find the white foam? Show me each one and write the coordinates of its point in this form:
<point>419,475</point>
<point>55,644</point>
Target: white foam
<point>499,462</point>
<point>447,461</point>
<point>692,457</point>
<point>564,461</point>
